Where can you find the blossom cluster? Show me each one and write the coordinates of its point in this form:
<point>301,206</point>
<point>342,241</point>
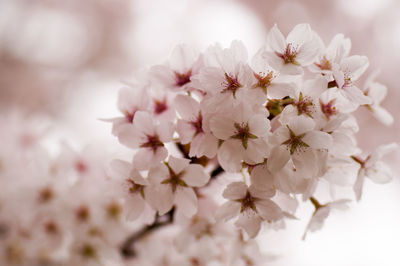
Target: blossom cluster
<point>278,124</point>
<point>223,144</point>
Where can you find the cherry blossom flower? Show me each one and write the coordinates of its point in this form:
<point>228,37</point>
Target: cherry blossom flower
<point>193,128</point>
<point>251,204</point>
<point>173,184</point>
<point>244,134</point>
<point>298,140</point>
<point>149,136</point>
<point>300,48</point>
<point>373,168</point>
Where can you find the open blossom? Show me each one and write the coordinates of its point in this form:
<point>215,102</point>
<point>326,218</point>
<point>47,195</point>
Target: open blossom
<point>377,93</point>
<point>244,134</point>
<point>298,140</point>
<point>251,204</point>
<point>346,73</point>
<point>193,128</point>
<point>149,137</point>
<point>176,74</point>
<point>373,168</point>
<point>172,184</point>
<point>300,48</point>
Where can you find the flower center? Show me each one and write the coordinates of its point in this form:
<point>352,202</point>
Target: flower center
<point>174,179</point>
<point>289,56</point>
<point>328,109</point>
<point>243,133</point>
<point>135,188</point>
<point>295,143</point>
<point>304,105</point>
<point>153,142</point>
<point>263,81</point>
<point>160,106</point>
<point>324,64</point>
<point>182,78</point>
<point>248,202</point>
<point>231,84</point>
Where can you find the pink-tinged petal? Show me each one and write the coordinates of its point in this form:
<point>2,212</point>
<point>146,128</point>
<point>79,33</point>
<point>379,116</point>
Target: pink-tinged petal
<point>235,191</point>
<point>178,164</point>
<point>238,52</point>
<point>275,61</point>
<point>380,152</point>
<point>291,69</point>
<point>262,178</point>
<point>165,131</point>
<point>120,169</point>
<point>257,150</point>
<point>134,207</point>
<point>269,210</point>
<point>137,178</point>
<point>278,158</point>
<point>187,107</point>
<point>355,65</point>
<point>380,173</point>
<point>305,163</point>
<point>355,95</point>
<point>250,222</point>
<point>143,121</point>
<point>382,115</point>
<point>186,131</point>
<point>275,40</point>
<point>195,176</point>
<point>222,127</point>
<point>204,144</point>
<point>338,75</point>
<point>299,35</point>
<point>318,139</point>
<point>163,75</point>
<point>227,211</point>
<point>308,52</point>
<point>259,125</point>
<point>279,90</point>
<point>301,124</point>
<point>160,198</point>
<point>146,158</point>
<point>158,174</point>
<point>131,136</point>
<point>229,155</point>
<point>182,58</point>
<point>377,92</point>
<point>264,193</point>
<point>358,185</point>
<point>315,87</point>
<point>186,201</point>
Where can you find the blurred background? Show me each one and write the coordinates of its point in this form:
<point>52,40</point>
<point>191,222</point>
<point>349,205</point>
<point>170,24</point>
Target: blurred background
<point>66,61</point>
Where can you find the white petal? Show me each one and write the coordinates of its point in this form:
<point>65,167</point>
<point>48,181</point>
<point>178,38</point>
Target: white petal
<point>187,107</point>
<point>186,201</point>
<point>165,130</point>
<point>130,136</point>
<point>355,65</point>
<point>204,144</point>
<point>182,58</point>
<point>178,164</point>
<point>158,174</point>
<point>227,211</point>
<point>383,116</point>
<point>250,222</point>
<point>146,158</point>
<point>276,40</point>
<point>278,158</point>
<point>259,125</point>
<point>308,52</point>
<point>358,185</point>
<point>135,207</point>
<point>143,121</point>
<point>222,127</point>
<point>318,139</point>
<point>235,191</point>
<point>229,155</point>
<point>195,176</point>
<point>160,198</point>
<point>355,95</point>
<point>261,193</point>
<point>186,131</point>
<point>301,124</point>
<point>300,34</point>
<point>269,210</point>
<point>262,178</point>
<point>120,169</point>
